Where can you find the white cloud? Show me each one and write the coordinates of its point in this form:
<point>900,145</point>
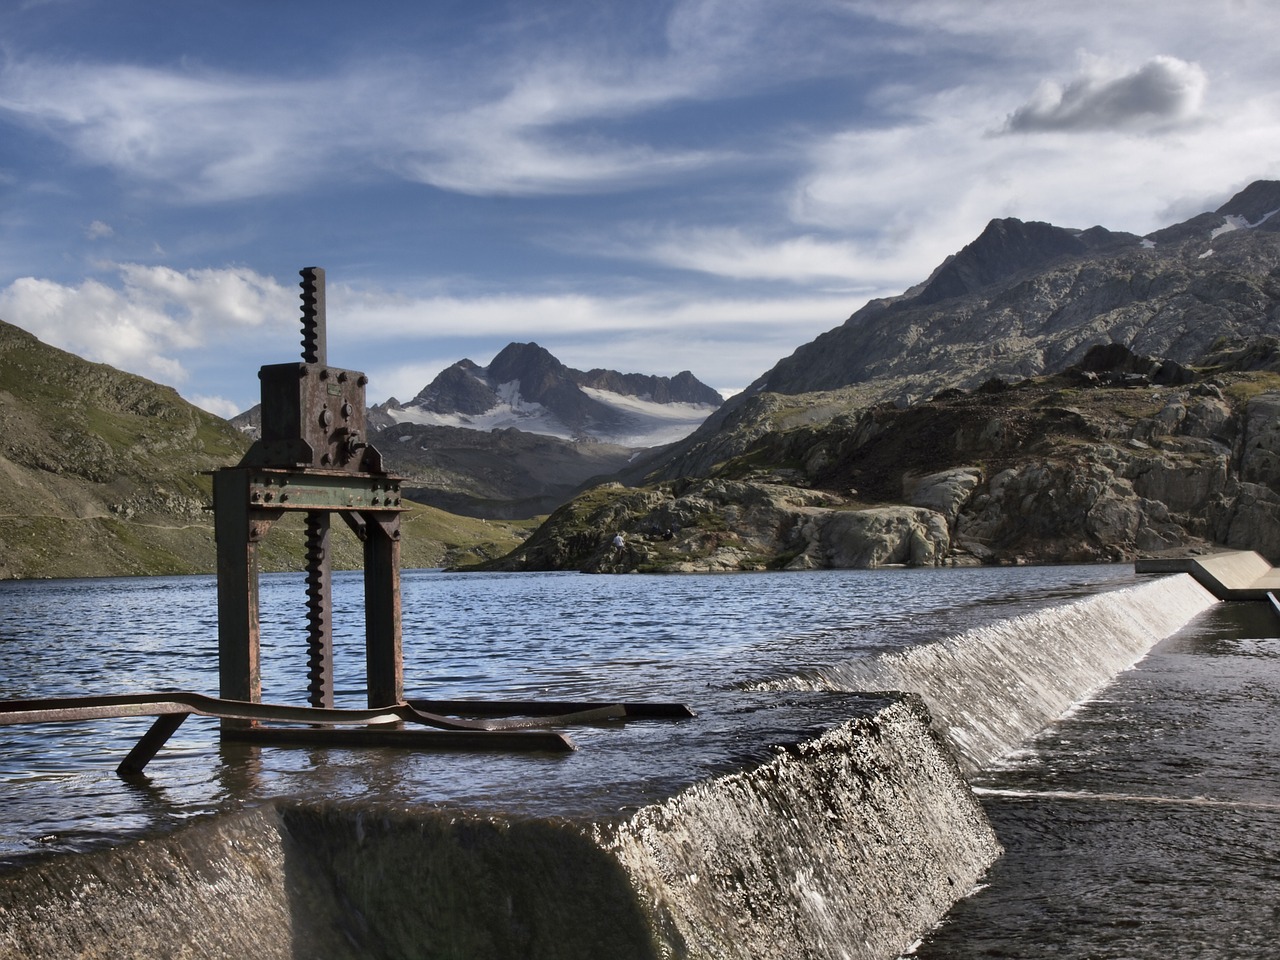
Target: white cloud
<point>724,341</point>
<point>202,136</point>
<point>1162,91</point>
<point>156,318</point>
<point>163,323</point>
<point>218,406</point>
<point>206,136</point>
<point>375,317</point>
<point>98,230</point>
<point>737,253</point>
<point>926,186</point>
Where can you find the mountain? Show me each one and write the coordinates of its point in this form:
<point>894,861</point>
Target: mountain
<point>528,389</point>
<point>516,439</point>
<point>106,474</point>
<point>1098,463</point>
<point>1028,298</point>
<point>1045,395</point>
<point>1025,299</point>
<point>503,474</point>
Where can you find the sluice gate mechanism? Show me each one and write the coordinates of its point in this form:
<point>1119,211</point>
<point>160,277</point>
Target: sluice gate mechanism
<point>313,457</point>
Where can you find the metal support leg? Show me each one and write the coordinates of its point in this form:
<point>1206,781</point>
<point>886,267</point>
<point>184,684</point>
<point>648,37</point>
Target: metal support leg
<point>156,737</point>
<point>239,674</point>
<point>384,657</point>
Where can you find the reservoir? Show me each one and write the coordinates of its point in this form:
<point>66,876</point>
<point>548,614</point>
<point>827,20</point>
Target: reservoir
<point>759,656</point>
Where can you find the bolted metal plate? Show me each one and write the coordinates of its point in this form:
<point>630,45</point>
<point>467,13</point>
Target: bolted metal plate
<point>290,490</point>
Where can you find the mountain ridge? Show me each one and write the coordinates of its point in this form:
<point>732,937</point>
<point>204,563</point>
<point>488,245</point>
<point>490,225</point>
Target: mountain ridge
<point>1045,395</point>
<point>525,387</point>
<point>1172,294</point>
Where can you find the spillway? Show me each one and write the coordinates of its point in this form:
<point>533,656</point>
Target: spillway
<point>835,821</point>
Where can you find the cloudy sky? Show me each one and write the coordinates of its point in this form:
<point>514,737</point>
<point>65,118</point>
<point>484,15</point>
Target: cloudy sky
<point>650,186</point>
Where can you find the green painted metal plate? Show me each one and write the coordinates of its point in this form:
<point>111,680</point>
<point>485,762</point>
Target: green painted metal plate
<point>285,490</point>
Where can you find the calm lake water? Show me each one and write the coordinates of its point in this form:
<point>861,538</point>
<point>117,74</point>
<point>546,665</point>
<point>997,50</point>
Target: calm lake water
<point>1143,825</point>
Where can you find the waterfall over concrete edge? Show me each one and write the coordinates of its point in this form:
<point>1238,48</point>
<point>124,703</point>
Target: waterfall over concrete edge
<point>991,688</point>
<point>848,841</point>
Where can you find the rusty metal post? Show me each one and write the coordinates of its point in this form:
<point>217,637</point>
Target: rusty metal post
<point>384,658</point>
<point>312,457</point>
<point>239,671</point>
<point>314,336</point>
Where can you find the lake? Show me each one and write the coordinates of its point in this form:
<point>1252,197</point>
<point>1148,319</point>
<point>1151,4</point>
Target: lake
<point>1065,806</point>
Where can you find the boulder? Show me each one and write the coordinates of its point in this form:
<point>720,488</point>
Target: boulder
<point>1260,450</point>
<point>945,492</point>
<point>859,539</point>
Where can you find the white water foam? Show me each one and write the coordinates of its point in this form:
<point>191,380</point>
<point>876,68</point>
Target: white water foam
<point>990,688</point>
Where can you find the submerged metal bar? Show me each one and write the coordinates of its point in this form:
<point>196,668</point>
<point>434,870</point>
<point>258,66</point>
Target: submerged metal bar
<point>146,748</point>
<point>522,740</point>
<point>70,709</point>
<point>552,708</point>
<point>446,733</point>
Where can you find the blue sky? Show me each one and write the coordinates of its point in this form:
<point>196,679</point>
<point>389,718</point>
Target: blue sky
<point>647,186</point>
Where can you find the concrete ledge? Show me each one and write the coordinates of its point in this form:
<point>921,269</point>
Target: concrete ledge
<point>1232,575</point>
<point>846,843</point>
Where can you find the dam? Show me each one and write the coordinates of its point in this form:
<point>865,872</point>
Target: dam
<point>819,804</point>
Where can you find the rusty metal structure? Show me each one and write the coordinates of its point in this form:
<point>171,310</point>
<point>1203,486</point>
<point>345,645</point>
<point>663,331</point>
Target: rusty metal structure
<point>313,457</point>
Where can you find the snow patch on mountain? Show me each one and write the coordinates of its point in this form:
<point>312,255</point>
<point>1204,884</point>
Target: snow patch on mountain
<point>640,422</point>
<point>513,411</point>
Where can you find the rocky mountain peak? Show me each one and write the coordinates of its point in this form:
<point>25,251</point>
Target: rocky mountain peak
<point>461,388</point>
<point>526,388</point>
<point>1256,205</point>
<point>1009,246</point>
<point>539,373</point>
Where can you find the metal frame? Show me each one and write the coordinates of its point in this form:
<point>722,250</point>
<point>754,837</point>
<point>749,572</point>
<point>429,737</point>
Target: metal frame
<point>247,502</point>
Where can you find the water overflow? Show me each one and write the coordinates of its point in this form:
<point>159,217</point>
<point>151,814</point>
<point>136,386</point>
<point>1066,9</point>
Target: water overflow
<point>846,832</point>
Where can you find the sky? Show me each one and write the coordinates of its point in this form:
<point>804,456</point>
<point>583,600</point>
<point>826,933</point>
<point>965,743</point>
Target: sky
<point>650,186</point>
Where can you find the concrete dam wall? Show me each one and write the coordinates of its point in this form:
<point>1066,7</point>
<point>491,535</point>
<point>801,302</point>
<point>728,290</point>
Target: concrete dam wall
<point>849,835</point>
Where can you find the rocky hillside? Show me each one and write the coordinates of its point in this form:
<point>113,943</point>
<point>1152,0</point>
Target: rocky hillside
<point>1115,458</point>
<point>931,427</point>
<point>104,474</point>
<point>1022,300</point>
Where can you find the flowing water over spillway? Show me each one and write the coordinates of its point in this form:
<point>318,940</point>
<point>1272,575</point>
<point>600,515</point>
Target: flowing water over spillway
<point>796,816</point>
<point>1146,823</point>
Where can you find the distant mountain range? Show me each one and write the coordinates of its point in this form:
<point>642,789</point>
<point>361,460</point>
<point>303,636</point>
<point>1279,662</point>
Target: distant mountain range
<point>971,418</point>
<point>528,389</point>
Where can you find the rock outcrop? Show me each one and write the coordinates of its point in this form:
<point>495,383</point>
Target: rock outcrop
<point>1099,463</point>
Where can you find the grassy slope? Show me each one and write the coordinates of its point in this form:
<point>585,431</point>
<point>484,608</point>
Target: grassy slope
<point>106,474</point>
